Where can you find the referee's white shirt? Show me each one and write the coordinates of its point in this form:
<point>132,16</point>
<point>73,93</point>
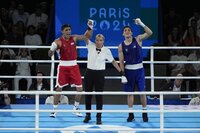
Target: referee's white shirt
<point>97,61</point>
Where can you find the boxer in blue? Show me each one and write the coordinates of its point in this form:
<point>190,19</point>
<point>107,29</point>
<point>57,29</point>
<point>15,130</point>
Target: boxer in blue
<point>130,57</point>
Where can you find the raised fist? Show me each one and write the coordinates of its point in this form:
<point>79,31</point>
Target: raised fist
<point>90,23</point>
<point>139,22</point>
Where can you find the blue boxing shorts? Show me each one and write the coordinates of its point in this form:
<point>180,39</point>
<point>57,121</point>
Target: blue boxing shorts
<point>135,78</point>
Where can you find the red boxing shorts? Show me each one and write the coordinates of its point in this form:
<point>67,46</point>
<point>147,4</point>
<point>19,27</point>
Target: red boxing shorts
<point>68,75</point>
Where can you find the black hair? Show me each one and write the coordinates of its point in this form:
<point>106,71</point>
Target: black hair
<point>40,72</point>
<point>29,27</point>
<point>127,27</point>
<point>65,26</point>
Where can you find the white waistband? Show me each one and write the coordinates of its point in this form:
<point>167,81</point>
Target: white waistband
<point>134,66</point>
<point>68,63</point>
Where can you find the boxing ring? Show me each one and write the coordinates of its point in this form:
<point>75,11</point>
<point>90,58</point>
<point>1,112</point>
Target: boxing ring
<point>34,118</point>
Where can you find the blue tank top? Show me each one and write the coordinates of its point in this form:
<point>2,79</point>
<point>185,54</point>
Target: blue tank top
<point>132,53</point>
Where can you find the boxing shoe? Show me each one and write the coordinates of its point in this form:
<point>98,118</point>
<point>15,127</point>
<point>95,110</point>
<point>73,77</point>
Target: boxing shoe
<point>79,114</point>
<point>53,115</point>
<point>145,117</point>
<point>130,117</point>
<point>98,121</point>
<point>87,119</point>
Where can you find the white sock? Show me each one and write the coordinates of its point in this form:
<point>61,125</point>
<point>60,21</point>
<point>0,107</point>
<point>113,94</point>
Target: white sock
<point>144,108</point>
<point>130,109</point>
<point>55,107</point>
<point>76,104</point>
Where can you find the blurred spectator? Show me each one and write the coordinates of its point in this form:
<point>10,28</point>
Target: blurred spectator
<point>38,19</point>
<point>20,15</point>
<point>40,84</point>
<point>191,39</point>
<point>42,32</point>
<point>21,28</point>
<point>172,19</point>
<point>195,16</point>
<point>195,100</point>
<point>5,19</point>
<point>32,39</point>
<point>23,69</point>
<point>15,38</point>
<point>195,56</point>
<point>44,7</point>
<point>193,70</point>
<point>174,37</point>
<point>4,98</point>
<point>177,68</point>
<point>174,85</point>
<point>195,29</point>
<point>12,8</point>
<point>7,68</point>
<point>3,31</point>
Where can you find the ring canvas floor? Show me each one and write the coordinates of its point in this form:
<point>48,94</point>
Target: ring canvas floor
<point>67,119</point>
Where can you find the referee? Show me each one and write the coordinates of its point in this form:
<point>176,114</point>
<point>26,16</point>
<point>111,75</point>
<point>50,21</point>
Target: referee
<point>94,75</point>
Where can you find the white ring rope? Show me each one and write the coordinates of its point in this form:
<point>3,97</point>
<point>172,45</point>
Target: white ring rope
<point>99,93</point>
<point>107,77</point>
<point>105,111</point>
<point>152,77</point>
<point>84,47</point>
<point>145,62</point>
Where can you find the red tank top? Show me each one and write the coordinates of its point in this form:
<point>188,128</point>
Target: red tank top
<point>68,49</point>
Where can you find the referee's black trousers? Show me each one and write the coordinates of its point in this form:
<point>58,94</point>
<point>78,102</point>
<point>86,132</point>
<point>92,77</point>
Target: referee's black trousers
<point>94,79</point>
